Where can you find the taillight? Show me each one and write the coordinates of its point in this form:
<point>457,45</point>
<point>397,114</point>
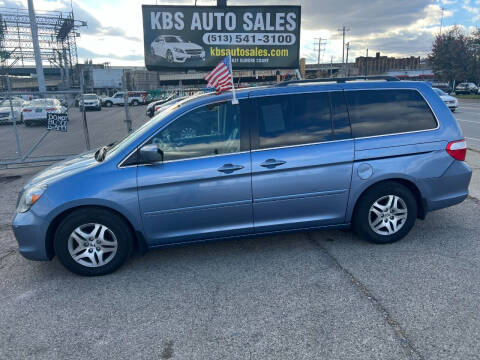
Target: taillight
<point>26,110</point>
<point>156,108</point>
<point>51,109</point>
<point>457,149</point>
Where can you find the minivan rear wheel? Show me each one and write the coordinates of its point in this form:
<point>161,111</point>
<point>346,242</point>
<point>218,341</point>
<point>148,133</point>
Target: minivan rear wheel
<point>385,213</point>
<point>93,242</point>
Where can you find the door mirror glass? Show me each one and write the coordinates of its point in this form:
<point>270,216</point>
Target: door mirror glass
<point>151,154</point>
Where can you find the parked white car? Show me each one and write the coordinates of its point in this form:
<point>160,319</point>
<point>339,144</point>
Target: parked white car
<point>92,101</point>
<point>134,98</point>
<point>175,50</point>
<point>6,114</point>
<point>450,101</point>
<point>35,112</point>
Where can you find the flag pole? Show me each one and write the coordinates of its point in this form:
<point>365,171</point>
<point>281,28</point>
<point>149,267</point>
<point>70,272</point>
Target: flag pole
<point>234,95</point>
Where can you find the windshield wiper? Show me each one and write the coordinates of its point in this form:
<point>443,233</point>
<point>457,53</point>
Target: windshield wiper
<point>102,152</point>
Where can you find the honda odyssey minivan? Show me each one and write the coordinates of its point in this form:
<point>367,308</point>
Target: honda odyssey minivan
<point>371,155</point>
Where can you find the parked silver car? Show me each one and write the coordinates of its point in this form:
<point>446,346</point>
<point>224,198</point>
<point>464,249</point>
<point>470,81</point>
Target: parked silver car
<point>449,100</point>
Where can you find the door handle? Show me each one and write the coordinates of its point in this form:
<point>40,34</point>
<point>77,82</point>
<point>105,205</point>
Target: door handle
<point>272,163</point>
<point>229,168</point>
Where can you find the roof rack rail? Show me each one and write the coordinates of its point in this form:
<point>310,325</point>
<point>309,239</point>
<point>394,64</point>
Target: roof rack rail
<point>338,80</point>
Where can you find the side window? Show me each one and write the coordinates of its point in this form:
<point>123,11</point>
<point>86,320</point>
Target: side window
<point>209,130</point>
<point>382,112</point>
<point>341,122</point>
<point>294,120</point>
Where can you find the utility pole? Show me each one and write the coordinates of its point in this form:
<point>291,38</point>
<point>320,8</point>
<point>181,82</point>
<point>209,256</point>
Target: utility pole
<point>36,48</point>
<point>441,21</point>
<point>331,66</point>
<point>343,30</point>
<point>319,46</point>
<point>366,64</point>
<point>348,65</point>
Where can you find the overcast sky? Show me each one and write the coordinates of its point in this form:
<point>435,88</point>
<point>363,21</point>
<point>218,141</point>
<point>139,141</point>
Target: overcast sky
<point>393,27</point>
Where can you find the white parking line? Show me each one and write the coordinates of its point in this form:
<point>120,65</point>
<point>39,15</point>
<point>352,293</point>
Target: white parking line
<point>474,139</point>
<point>470,121</point>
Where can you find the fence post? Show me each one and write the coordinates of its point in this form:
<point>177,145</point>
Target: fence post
<point>84,115</point>
<point>128,122</point>
<point>15,130</point>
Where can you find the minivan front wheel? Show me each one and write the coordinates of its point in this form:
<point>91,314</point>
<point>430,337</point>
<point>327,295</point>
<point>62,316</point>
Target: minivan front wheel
<point>92,242</point>
<point>385,213</point>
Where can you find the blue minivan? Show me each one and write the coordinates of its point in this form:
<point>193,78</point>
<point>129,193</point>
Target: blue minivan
<point>371,155</point>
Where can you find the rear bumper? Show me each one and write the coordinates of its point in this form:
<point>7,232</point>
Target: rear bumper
<point>30,231</point>
<point>449,189</point>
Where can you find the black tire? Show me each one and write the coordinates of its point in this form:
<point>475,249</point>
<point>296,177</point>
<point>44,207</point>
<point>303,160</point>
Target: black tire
<point>453,110</point>
<point>108,103</point>
<point>27,123</point>
<point>86,216</point>
<point>135,102</point>
<point>361,216</point>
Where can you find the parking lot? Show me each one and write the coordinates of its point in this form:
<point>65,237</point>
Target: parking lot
<point>468,116</point>
<point>308,295</point>
<point>104,127</point>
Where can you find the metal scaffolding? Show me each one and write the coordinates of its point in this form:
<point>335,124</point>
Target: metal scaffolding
<point>57,33</point>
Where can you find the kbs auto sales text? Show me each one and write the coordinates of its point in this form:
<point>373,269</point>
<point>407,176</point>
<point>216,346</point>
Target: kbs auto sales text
<point>280,21</point>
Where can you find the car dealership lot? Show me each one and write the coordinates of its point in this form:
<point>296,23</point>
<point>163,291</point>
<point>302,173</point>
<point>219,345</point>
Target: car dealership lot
<point>109,125</point>
<point>322,294</point>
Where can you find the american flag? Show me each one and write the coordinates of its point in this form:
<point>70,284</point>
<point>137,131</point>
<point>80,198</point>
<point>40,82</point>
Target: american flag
<point>221,76</point>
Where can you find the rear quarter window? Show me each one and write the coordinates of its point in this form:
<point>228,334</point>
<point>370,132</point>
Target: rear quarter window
<point>383,112</point>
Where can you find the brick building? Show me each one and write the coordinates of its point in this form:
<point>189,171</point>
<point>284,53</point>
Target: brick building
<point>381,64</point>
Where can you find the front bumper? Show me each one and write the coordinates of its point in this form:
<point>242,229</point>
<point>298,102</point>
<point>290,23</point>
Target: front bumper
<point>30,231</point>
<point>90,106</point>
<point>183,57</point>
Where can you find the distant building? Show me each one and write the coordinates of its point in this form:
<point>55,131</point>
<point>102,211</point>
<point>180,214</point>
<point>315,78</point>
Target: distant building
<point>381,64</point>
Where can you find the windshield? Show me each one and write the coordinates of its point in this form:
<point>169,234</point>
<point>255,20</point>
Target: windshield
<point>130,138</point>
<point>90,97</point>
<point>439,92</point>
<point>173,39</point>
<point>40,102</point>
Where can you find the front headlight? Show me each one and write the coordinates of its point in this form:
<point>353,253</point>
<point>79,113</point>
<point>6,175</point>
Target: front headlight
<point>30,197</point>
<point>178,50</point>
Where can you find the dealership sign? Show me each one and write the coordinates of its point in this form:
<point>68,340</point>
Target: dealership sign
<point>198,37</point>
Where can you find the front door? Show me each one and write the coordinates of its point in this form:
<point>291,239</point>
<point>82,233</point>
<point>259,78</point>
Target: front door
<point>302,162</point>
<point>202,189</point>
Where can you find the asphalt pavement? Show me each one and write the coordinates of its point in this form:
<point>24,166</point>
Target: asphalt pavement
<point>306,295</point>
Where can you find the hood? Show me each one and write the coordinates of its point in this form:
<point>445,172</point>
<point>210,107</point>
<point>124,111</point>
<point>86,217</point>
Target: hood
<point>187,46</point>
<point>64,168</point>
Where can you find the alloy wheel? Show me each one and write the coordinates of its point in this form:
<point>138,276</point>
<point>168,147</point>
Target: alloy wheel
<point>387,215</point>
<point>92,245</point>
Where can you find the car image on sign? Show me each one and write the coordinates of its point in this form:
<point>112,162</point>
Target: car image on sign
<point>175,50</point>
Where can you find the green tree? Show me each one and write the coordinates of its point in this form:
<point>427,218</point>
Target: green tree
<point>475,49</point>
<point>451,56</point>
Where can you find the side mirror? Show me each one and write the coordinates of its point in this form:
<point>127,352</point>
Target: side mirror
<point>151,154</point>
